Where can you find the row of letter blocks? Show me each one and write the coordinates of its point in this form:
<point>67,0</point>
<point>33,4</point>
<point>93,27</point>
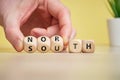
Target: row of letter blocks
<point>44,44</point>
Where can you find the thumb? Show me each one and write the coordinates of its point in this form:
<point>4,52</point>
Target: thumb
<point>13,34</point>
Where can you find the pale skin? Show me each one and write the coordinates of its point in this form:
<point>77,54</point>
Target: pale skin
<point>21,18</point>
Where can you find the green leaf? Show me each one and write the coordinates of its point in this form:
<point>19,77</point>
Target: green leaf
<point>118,7</point>
<point>109,8</point>
<point>116,1</point>
<point>112,4</point>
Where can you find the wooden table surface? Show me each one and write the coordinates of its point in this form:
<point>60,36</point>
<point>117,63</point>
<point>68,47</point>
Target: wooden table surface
<point>104,64</point>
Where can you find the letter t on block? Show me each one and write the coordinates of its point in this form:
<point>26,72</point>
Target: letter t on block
<point>75,46</point>
<point>88,46</point>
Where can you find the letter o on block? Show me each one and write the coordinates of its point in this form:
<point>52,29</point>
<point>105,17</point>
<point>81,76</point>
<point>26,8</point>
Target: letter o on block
<point>30,44</point>
<point>43,44</point>
<point>57,44</point>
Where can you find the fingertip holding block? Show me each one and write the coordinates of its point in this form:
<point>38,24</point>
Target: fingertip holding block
<point>57,44</point>
<point>30,44</point>
<point>75,46</point>
<point>43,44</point>
<point>88,46</point>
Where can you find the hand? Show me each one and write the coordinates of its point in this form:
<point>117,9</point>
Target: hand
<point>21,18</point>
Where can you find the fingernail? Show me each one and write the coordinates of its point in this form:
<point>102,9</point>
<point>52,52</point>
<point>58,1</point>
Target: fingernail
<point>19,45</point>
<point>65,41</point>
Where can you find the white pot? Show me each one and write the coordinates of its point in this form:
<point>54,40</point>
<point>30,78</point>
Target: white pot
<point>114,31</point>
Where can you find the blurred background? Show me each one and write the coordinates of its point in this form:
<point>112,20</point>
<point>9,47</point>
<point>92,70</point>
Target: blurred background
<point>88,18</point>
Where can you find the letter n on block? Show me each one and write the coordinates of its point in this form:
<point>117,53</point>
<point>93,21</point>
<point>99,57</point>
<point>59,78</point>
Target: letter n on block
<point>30,44</point>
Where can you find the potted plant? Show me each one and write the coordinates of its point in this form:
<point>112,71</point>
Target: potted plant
<point>114,24</point>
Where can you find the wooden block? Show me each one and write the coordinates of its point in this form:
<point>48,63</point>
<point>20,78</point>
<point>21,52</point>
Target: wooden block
<point>30,44</point>
<point>75,46</point>
<point>43,44</point>
<point>57,44</point>
<point>88,46</point>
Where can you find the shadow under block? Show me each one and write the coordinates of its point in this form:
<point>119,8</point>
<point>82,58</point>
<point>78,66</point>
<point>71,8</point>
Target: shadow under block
<point>88,46</point>
<point>30,44</point>
<point>75,46</point>
<point>56,43</point>
<point>43,44</point>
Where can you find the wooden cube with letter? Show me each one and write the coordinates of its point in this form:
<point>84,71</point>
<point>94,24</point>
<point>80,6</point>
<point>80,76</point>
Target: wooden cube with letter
<point>30,44</point>
<point>88,46</point>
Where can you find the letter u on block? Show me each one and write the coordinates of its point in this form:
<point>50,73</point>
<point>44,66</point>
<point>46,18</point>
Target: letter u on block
<point>56,43</point>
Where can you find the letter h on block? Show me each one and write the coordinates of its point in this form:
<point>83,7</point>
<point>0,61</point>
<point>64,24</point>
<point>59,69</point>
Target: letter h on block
<point>88,46</point>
